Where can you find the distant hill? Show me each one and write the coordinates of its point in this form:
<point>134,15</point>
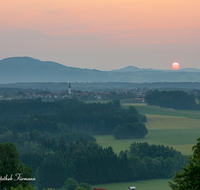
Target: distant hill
<point>132,69</point>
<point>190,70</point>
<point>127,69</point>
<point>26,69</point>
<point>136,69</point>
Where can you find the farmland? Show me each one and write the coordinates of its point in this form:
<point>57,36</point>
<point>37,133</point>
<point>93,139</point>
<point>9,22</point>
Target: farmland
<point>175,128</point>
<point>180,133</point>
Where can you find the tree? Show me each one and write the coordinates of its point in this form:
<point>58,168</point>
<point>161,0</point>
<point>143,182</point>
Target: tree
<point>80,188</point>
<point>51,173</point>
<point>20,187</point>
<point>130,131</point>
<point>132,110</point>
<point>189,177</point>
<point>70,184</point>
<point>11,169</point>
<point>86,186</point>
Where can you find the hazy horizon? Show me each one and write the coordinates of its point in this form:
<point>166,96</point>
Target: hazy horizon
<point>175,70</point>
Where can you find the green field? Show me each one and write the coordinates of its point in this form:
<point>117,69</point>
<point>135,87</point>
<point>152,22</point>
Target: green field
<point>177,131</point>
<point>158,184</point>
<point>180,133</point>
<point>155,110</point>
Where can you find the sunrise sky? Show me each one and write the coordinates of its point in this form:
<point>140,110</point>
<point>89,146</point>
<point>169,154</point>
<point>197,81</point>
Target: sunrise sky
<point>103,34</point>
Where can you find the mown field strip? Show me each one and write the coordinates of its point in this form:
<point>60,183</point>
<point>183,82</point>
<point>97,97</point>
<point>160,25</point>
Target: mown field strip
<point>158,184</point>
<point>171,122</point>
<point>155,110</point>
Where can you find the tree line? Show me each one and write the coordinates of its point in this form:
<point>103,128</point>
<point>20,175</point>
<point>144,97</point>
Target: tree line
<point>151,156</point>
<point>68,117</point>
<point>88,162</point>
<point>172,99</point>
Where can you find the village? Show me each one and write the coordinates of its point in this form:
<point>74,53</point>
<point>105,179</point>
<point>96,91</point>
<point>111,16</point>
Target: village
<point>134,95</point>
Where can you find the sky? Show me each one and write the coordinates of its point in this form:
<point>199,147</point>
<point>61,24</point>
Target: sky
<point>102,34</point>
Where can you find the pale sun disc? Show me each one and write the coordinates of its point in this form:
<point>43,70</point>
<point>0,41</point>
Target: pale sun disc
<point>175,65</point>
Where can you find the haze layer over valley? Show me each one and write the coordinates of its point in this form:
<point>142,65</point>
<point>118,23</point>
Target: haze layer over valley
<point>26,69</point>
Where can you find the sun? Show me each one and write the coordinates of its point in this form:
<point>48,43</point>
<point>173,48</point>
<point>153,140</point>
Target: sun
<point>175,65</point>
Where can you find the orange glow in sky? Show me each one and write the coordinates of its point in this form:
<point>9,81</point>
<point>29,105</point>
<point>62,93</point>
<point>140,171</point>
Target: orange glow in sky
<point>104,27</point>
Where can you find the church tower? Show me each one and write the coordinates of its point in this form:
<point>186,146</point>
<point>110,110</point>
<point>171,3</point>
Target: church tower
<point>69,91</point>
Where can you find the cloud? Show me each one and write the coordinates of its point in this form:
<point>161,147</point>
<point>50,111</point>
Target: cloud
<point>74,32</point>
<point>170,41</point>
<point>121,36</point>
<point>110,38</point>
<point>153,42</point>
<point>53,13</point>
<point>122,27</point>
<point>130,35</point>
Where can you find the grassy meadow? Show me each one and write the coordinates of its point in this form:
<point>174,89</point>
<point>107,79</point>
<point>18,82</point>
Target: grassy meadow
<point>177,131</point>
<point>157,184</point>
<point>180,133</point>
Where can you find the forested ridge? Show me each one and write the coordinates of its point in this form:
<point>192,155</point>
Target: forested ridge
<point>77,116</point>
<point>55,139</point>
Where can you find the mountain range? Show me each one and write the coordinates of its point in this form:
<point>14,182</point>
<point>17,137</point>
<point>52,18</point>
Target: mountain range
<point>136,69</point>
<point>26,69</point>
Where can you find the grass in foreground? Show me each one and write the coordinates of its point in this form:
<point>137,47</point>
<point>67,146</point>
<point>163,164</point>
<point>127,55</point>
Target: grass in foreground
<point>157,184</point>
